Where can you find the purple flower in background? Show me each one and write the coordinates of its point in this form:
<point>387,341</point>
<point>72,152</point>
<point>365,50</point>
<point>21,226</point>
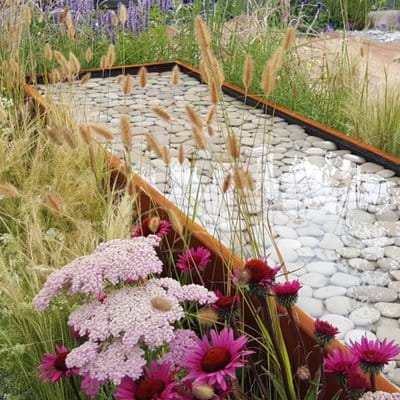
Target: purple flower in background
<point>319,5</point>
<point>329,28</point>
<point>134,22</point>
<point>146,10</point>
<point>187,1</point>
<point>383,27</point>
<point>398,20</point>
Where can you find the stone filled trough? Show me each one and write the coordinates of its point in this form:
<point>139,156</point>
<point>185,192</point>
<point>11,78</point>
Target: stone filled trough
<point>333,202</point>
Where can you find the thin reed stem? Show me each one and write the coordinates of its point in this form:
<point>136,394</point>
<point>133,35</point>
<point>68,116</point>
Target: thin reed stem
<point>270,329</point>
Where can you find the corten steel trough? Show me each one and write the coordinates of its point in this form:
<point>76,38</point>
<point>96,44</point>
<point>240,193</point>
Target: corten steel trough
<point>151,200</point>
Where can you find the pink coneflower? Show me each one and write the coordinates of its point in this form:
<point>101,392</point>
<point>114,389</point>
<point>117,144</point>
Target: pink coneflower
<point>193,259</point>
<point>373,355</point>
<point>158,383</point>
<point>215,362</point>
<point>151,226</point>
<point>340,363</point>
<point>324,332</point>
<point>226,306</point>
<point>54,367</point>
<point>261,277</point>
<point>287,292</point>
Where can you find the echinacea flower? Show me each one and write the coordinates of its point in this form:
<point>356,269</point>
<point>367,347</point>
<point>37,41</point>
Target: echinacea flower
<point>151,226</point>
<point>324,332</point>
<point>340,363</point>
<point>373,355</point>
<point>193,259</point>
<point>261,277</point>
<point>54,367</point>
<point>214,362</point>
<point>226,306</point>
<point>287,292</point>
<point>158,383</point>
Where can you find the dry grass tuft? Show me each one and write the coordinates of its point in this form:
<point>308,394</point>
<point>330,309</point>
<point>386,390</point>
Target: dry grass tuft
<point>199,138</point>
<point>154,145</point>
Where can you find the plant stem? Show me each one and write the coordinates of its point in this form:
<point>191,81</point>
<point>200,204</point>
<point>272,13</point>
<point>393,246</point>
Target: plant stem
<point>294,322</point>
<point>323,378</point>
<point>270,329</point>
<point>373,381</point>
<point>74,388</point>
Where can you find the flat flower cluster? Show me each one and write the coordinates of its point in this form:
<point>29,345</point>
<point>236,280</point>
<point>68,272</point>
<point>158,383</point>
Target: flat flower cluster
<point>126,329</point>
<point>113,262</point>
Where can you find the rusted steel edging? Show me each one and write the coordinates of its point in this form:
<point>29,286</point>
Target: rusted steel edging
<point>306,323</point>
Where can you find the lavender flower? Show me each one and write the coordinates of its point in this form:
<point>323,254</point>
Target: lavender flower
<point>183,342</point>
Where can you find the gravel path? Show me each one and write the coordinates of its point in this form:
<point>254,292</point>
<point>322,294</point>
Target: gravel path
<point>335,216</point>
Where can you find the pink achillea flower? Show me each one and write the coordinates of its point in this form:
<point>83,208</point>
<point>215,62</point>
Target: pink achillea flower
<point>324,332</point>
<point>108,362</point>
<point>193,259</point>
<point>129,319</point>
<point>144,228</point>
<point>215,362</point>
<point>373,355</point>
<point>54,367</point>
<point>158,383</point>
<point>90,386</point>
<point>341,363</point>
<point>113,262</point>
<point>287,292</point>
<point>183,342</point>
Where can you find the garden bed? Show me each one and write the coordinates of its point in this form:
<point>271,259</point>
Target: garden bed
<point>298,164</point>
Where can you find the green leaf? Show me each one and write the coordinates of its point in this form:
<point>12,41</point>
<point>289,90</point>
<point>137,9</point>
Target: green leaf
<point>312,393</point>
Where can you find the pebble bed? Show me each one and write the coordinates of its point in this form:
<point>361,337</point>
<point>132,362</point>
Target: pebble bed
<point>334,215</point>
<point>378,35</point>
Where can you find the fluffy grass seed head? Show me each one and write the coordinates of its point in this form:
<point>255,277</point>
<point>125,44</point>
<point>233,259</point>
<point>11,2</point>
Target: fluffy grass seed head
<point>233,146</point>
<point>142,77</point>
<point>290,38</point>
<point>8,190</point>
<point>194,117</point>
<point>181,154</point>
<point>48,52</point>
<point>163,114</point>
<point>85,78</point>
<point>123,14</point>
<point>176,72</point>
<point>199,138</point>
<point>127,84</point>
<point>126,132</point>
<point>202,33</point>
<point>88,55</point>
<point>248,72</point>
<point>102,131</point>
<point>207,317</point>
<point>211,115</point>
<point>154,145</point>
